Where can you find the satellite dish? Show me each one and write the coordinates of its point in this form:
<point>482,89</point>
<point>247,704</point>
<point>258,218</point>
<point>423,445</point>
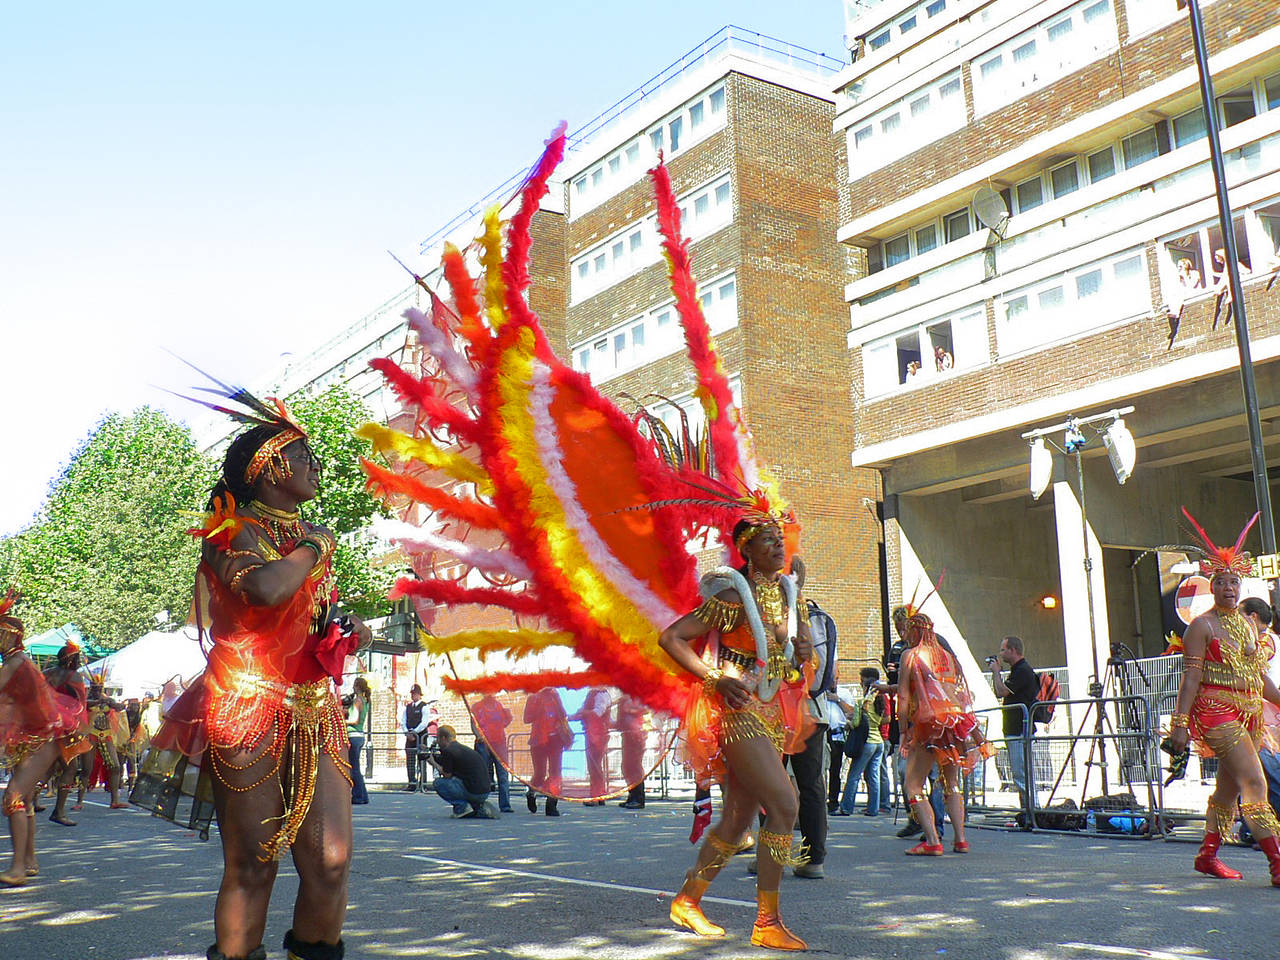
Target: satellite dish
<point>991,210</point>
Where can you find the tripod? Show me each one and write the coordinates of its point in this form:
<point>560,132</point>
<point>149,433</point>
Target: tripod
<point>1117,671</point>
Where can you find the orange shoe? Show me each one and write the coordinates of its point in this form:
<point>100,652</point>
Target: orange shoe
<point>769,930</point>
<point>688,913</point>
<point>923,849</point>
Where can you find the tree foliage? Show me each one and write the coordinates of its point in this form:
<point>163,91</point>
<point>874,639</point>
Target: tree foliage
<point>344,505</point>
<point>108,551</point>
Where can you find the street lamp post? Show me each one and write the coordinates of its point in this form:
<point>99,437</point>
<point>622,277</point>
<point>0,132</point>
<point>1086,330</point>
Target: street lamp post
<point>1261,483</point>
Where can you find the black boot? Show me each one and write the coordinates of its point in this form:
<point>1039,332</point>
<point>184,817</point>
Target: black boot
<point>553,807</point>
<point>298,950</point>
<point>531,801</point>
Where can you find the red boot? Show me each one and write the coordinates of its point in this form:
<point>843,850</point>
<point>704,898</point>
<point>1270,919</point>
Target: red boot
<point>1271,847</point>
<point>1207,859</point>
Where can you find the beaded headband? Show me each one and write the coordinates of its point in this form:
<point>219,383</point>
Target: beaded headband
<point>270,459</point>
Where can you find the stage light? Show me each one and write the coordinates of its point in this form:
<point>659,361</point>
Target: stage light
<point>1049,602</point>
<point>1041,467</point>
<point>1121,449</point>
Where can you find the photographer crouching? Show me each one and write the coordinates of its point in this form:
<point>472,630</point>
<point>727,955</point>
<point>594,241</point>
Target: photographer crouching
<point>463,780</point>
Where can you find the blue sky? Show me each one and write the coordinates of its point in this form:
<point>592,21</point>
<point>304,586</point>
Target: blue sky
<point>223,180</point>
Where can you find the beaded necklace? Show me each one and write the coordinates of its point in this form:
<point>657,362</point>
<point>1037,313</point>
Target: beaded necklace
<point>769,600</point>
<point>1241,655</point>
<point>284,526</point>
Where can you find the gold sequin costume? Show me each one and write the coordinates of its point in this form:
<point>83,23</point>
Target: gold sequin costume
<point>1228,705</point>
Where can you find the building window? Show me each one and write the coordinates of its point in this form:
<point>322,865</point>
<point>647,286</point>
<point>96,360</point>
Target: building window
<point>632,153</point>
<point>1096,10</point>
<point>926,353</point>
<point>905,125</point>
<point>956,225</point>
<point>580,185</point>
<point>907,24</point>
<point>926,238</point>
<point>1140,148</point>
<point>1236,108</point>
<point>723,192</point>
<point>1030,194</point>
<point>655,140</point>
<point>1060,30</point>
<point>936,7</point>
<point>896,250</point>
<point>879,40</point>
<point>989,67</point>
<point>1064,179</point>
<point>695,115</point>
<point>1271,90</point>
<point>597,176</point>
<point>1025,52</point>
<point>1188,127</point>
<point>717,100</point>
<point>1102,164</point>
<point>1197,261</point>
<point>1072,303</point>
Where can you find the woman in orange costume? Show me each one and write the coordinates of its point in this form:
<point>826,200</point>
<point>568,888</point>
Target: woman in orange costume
<point>1224,681</point>
<point>265,717</point>
<point>934,707</point>
<point>549,737</point>
<point>743,721</point>
<point>38,729</point>
<point>594,715</point>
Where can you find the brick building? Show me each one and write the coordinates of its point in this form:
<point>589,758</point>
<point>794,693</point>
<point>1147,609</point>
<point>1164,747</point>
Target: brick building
<point>745,125</point>
<point>1081,120</point>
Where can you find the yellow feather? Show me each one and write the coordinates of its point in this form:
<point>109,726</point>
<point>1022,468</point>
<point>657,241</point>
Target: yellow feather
<point>385,440</point>
<point>514,643</point>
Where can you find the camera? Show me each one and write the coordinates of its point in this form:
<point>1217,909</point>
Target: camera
<point>992,661</point>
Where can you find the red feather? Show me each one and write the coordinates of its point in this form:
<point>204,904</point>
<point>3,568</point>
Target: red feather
<point>498,682</point>
<point>470,511</point>
<point>413,391</point>
<point>446,592</point>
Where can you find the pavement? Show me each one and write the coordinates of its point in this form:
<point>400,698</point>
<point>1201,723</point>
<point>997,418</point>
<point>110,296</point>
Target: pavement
<point>596,883</point>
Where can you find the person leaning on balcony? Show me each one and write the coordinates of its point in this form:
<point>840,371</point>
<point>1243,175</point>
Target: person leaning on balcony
<point>1020,690</point>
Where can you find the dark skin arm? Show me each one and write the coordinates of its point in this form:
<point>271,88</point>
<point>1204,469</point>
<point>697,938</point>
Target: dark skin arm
<point>267,584</point>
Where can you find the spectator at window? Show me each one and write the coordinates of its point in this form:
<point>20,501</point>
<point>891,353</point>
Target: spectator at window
<point>1188,275</point>
<point>942,358</point>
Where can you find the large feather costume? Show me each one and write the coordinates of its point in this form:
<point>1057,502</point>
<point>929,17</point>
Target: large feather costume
<point>542,496</point>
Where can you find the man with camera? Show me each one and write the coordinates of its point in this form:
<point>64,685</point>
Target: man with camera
<point>1021,688</point>
<point>463,779</point>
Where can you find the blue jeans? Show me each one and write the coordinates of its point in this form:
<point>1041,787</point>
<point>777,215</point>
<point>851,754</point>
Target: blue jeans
<point>452,791</point>
<point>498,773</point>
<point>869,762</point>
<point>885,790</point>
<point>358,792</point>
<point>1018,765</point>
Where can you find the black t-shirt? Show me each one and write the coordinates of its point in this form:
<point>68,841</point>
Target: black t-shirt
<point>467,765</point>
<point>1024,687</point>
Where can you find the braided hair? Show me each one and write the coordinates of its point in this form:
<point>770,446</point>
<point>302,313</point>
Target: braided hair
<point>237,460</point>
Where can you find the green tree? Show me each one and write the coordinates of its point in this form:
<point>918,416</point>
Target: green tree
<point>108,550</point>
<point>344,505</point>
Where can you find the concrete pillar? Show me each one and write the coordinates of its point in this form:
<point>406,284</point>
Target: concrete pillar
<point>916,579</point>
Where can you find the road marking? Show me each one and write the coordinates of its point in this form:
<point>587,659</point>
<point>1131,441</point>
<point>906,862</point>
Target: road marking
<point>1133,952</point>
<point>484,867</point>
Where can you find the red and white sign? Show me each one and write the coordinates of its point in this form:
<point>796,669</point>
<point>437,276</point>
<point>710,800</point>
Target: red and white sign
<point>1193,598</point>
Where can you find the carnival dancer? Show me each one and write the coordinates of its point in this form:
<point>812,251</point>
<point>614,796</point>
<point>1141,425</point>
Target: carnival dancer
<point>264,718</point>
<point>39,728</point>
<point>549,737</point>
<point>740,727</point>
<point>1224,681</point>
<point>583,514</point>
<point>65,678</point>
<point>594,716</point>
<point>935,710</point>
<point>108,729</point>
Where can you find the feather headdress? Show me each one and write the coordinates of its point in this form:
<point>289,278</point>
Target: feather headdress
<point>1218,559</point>
<point>6,604</point>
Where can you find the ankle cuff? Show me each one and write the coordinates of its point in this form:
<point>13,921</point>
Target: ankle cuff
<point>319,950</point>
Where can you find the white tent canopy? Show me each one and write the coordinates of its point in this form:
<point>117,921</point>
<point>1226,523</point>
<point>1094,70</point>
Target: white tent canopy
<point>144,665</point>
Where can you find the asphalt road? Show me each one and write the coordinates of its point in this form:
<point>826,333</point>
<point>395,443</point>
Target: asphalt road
<point>596,882</point>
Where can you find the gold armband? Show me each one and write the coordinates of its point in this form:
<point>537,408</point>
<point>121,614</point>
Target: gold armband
<point>719,614</point>
<point>710,680</point>
<point>1192,663</point>
<point>1179,721</point>
<point>802,610</point>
